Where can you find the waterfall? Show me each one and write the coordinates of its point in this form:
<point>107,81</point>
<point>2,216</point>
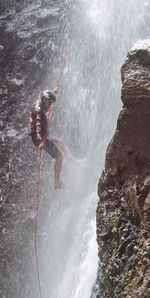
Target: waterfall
<point>85,117</point>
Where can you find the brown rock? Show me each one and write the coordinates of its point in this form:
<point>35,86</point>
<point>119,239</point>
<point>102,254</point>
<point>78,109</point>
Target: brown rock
<point>126,175</point>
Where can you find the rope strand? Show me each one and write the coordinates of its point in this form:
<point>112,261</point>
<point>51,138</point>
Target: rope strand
<point>36,221</point>
<point>40,158</point>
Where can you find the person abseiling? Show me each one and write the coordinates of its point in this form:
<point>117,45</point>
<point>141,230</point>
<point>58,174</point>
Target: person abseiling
<point>39,132</point>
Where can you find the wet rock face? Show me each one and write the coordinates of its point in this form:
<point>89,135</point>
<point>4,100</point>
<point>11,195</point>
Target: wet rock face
<point>123,213</point>
<point>135,75</point>
<point>29,46</point>
<point>29,38</point>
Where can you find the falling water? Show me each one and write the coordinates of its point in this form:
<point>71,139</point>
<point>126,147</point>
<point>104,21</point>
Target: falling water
<point>85,118</point>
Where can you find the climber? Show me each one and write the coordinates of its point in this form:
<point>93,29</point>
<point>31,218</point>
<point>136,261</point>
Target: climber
<point>39,132</point>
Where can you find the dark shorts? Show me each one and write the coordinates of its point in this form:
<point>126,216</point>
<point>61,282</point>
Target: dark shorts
<point>51,148</point>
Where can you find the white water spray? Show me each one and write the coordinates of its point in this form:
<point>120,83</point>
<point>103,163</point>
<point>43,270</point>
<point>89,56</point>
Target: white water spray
<point>89,105</point>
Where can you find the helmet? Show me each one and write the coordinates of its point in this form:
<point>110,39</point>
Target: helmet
<point>46,94</point>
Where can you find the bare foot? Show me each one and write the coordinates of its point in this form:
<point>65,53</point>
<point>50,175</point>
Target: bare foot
<point>58,185</point>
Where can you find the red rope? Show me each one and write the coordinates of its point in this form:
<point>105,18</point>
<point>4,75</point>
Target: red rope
<point>38,182</point>
<point>49,116</point>
<point>36,220</point>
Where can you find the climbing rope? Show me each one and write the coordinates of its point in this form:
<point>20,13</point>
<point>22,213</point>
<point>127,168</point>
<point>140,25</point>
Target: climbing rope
<point>38,183</point>
<point>36,220</point>
<point>40,157</point>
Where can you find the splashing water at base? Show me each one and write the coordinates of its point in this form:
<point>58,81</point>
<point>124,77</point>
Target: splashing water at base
<point>87,264</point>
<point>69,239</point>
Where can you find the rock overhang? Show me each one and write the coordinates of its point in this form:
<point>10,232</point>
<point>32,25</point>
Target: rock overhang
<point>135,74</point>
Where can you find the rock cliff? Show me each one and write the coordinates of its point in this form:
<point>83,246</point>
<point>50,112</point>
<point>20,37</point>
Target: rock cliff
<point>123,212</point>
<point>30,35</point>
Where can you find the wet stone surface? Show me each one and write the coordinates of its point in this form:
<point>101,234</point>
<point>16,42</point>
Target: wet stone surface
<point>30,37</point>
<point>123,210</point>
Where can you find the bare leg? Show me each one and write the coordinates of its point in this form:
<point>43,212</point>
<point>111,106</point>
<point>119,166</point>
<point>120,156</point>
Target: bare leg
<point>66,152</point>
<point>57,172</point>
